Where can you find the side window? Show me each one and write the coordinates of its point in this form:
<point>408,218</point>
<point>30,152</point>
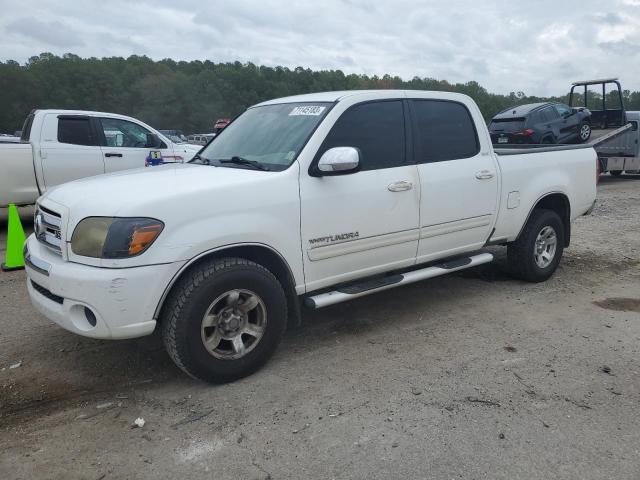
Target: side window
<point>535,118</point>
<point>545,115</point>
<point>376,128</point>
<point>444,131</point>
<point>562,110</point>
<point>26,128</point>
<point>122,133</point>
<point>75,130</point>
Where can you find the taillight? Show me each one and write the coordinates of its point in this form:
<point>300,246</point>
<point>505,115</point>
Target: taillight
<point>525,133</point>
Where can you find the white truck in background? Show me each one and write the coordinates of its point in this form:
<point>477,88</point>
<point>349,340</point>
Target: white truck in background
<point>58,146</point>
<point>314,199</point>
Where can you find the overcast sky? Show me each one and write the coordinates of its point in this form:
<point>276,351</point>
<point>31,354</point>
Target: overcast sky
<point>538,47</point>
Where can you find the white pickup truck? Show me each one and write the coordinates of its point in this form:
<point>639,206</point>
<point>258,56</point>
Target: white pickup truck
<point>313,199</point>
<point>58,146</point>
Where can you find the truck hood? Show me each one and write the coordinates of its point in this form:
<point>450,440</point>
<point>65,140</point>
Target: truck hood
<point>151,191</point>
<point>186,150</point>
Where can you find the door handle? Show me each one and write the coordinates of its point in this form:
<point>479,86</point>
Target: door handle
<point>484,175</point>
<point>112,154</point>
<point>400,186</point>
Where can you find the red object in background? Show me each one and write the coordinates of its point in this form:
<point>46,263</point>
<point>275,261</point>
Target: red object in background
<point>220,124</point>
<point>525,133</point>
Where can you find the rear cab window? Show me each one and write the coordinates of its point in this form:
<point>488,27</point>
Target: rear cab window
<point>26,128</point>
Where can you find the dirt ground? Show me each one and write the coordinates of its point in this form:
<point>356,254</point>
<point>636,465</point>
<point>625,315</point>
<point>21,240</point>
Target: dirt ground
<point>469,376</point>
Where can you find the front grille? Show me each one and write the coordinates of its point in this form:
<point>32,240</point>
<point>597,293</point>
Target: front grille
<point>47,228</point>
<point>43,291</point>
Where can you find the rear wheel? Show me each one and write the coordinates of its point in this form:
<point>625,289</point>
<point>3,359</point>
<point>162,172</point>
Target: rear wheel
<point>615,173</point>
<point>535,255</point>
<point>547,141</point>
<point>224,319</point>
<point>584,132</point>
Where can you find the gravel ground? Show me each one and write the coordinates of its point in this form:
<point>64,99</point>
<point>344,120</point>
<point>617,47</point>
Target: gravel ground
<point>471,376</point>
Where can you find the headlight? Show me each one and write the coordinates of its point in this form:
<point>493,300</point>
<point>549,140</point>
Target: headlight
<point>107,237</point>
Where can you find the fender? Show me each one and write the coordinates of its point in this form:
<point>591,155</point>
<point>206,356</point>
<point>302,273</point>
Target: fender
<point>566,221</point>
<point>206,253</point>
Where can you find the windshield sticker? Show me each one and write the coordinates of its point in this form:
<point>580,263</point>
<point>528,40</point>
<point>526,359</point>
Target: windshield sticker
<point>290,155</point>
<point>313,110</point>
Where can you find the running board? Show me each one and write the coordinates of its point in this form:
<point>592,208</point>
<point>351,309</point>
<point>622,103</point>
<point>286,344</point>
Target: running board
<point>385,283</point>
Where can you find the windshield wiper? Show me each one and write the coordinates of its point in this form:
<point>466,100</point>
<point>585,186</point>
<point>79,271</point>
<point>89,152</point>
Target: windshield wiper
<point>198,158</point>
<point>245,161</point>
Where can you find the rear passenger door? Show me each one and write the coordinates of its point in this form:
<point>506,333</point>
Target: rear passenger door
<point>458,178</point>
<point>69,149</point>
<point>125,144</point>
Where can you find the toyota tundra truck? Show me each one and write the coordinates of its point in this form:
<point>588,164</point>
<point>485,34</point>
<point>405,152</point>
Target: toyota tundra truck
<point>307,200</point>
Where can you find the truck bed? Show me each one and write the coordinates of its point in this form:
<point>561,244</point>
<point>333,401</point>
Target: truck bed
<point>18,181</point>
<point>536,148</point>
<point>570,169</point>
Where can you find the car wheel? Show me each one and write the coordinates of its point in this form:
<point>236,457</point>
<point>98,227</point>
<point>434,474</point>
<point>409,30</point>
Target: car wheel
<point>615,173</point>
<point>584,132</point>
<point>548,141</point>
<point>224,319</point>
<point>535,255</point>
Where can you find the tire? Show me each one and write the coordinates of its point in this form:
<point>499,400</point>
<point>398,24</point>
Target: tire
<point>523,254</point>
<point>584,132</point>
<point>615,173</point>
<point>547,141</point>
<point>207,307</point>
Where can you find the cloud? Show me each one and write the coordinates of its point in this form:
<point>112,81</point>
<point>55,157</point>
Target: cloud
<point>52,33</point>
<point>623,48</point>
<point>538,51</point>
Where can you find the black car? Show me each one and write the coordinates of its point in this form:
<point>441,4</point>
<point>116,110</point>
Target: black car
<point>541,123</point>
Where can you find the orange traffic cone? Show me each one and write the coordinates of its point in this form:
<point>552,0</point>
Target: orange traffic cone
<point>14,257</point>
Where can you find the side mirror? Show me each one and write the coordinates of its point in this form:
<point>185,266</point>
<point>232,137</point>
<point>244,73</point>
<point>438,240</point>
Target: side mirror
<point>153,141</point>
<point>339,160</point>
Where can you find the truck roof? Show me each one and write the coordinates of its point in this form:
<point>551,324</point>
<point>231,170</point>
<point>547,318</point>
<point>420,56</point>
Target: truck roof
<point>78,112</point>
<point>520,110</point>
<point>341,94</point>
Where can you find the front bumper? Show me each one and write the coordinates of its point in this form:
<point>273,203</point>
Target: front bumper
<point>108,303</point>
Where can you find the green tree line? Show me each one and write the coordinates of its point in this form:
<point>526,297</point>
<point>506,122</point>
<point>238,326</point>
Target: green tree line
<point>190,96</point>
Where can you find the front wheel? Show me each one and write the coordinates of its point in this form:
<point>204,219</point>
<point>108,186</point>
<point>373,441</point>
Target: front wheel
<point>584,132</point>
<point>615,173</point>
<point>224,319</point>
<point>535,255</point>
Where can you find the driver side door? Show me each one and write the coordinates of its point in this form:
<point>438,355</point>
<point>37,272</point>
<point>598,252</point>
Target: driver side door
<point>124,144</point>
<point>365,222</point>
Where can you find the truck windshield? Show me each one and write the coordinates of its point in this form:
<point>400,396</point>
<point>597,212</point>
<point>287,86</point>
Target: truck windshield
<point>271,136</point>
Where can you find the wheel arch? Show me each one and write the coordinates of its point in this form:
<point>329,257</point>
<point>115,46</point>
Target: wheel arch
<point>259,253</point>
<point>548,135</point>
<point>559,203</point>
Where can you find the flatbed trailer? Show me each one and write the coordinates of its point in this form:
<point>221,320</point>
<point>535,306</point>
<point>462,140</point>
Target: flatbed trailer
<point>614,133</point>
